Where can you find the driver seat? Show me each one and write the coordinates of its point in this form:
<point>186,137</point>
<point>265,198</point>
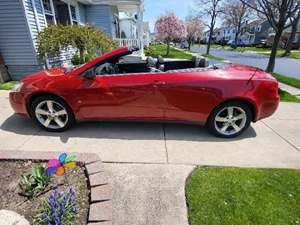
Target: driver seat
<point>160,64</point>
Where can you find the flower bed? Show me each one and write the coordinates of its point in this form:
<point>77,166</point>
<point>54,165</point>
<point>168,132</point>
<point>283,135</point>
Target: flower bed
<point>57,192</point>
<point>12,199</point>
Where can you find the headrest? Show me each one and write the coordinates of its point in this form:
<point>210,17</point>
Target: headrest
<point>196,61</point>
<point>203,62</point>
<point>160,60</point>
<point>150,62</point>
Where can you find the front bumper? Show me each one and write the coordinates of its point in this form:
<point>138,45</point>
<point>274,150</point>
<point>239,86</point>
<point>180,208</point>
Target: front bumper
<point>18,103</point>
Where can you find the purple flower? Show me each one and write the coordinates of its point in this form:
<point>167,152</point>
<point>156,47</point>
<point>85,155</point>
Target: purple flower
<point>75,210</point>
<point>61,206</point>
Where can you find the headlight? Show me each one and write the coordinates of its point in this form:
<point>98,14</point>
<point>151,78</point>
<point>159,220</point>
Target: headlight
<point>17,87</point>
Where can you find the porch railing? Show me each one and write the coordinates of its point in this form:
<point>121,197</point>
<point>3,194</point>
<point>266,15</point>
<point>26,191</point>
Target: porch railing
<point>124,42</point>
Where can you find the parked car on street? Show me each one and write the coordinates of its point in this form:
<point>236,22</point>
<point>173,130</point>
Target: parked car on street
<point>239,43</point>
<point>226,97</point>
<point>184,45</point>
<point>261,44</point>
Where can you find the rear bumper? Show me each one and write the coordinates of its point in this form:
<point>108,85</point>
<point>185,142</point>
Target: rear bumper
<point>18,103</point>
<point>267,108</point>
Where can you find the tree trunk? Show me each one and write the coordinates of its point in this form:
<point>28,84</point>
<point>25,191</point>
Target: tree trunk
<point>211,31</point>
<point>272,59</point>
<point>298,43</point>
<point>81,55</point>
<point>168,48</point>
<point>235,40</point>
<point>292,36</point>
<point>190,44</point>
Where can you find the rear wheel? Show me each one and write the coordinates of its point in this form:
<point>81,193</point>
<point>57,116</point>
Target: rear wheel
<point>52,113</point>
<point>230,119</point>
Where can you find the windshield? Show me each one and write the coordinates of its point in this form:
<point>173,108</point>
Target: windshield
<point>71,68</point>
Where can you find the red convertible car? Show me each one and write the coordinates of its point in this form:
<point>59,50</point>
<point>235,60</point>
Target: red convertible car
<point>226,98</point>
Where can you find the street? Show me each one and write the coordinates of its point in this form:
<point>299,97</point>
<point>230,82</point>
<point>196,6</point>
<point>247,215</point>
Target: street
<point>285,66</point>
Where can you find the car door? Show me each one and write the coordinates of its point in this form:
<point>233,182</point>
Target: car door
<point>186,97</point>
<point>119,96</point>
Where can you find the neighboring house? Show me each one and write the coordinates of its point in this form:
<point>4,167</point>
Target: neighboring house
<point>21,20</point>
<point>251,33</point>
<point>205,36</point>
<point>258,30</point>
<point>286,36</point>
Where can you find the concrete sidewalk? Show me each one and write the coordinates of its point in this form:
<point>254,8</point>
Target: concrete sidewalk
<point>149,194</point>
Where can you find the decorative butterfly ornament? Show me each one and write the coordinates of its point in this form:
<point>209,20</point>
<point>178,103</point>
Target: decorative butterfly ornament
<point>58,166</point>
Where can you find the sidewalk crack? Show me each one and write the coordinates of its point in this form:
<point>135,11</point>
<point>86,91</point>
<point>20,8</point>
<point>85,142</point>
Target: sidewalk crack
<point>165,140</point>
<point>283,138</point>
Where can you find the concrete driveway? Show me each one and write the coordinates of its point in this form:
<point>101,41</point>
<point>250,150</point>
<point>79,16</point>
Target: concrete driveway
<point>286,66</point>
<point>274,142</point>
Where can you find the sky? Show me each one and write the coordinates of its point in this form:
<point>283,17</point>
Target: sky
<point>156,8</point>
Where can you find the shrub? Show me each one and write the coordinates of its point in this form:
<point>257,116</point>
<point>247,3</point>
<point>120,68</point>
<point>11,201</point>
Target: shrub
<point>149,51</point>
<point>60,208</point>
<point>55,38</point>
<point>36,182</point>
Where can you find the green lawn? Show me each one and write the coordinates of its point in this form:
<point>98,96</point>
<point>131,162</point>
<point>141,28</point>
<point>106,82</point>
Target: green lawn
<point>213,57</point>
<point>287,97</point>
<point>287,80</point>
<point>161,49</point>
<point>265,51</point>
<point>7,85</point>
<point>236,196</point>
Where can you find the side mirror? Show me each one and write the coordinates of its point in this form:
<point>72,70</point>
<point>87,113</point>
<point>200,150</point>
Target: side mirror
<point>89,74</point>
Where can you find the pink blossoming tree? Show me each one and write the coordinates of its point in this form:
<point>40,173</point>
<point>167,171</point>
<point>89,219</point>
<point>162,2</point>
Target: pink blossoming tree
<point>170,28</point>
<point>195,28</point>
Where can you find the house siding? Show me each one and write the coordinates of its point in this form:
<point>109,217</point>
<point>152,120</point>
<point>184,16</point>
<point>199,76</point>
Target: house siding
<point>16,44</point>
<point>101,16</point>
<point>82,13</point>
<point>263,33</point>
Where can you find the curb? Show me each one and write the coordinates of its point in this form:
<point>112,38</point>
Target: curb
<point>100,209</point>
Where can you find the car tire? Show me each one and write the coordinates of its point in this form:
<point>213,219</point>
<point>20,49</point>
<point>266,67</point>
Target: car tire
<point>52,113</point>
<point>229,119</point>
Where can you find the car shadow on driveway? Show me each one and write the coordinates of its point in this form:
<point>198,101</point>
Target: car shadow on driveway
<point>121,130</point>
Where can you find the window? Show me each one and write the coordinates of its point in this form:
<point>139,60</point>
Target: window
<point>258,28</point>
<point>47,6</point>
<point>49,19</point>
<point>73,14</point>
<point>49,14</point>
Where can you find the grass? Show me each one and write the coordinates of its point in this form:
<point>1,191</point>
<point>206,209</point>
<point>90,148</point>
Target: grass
<point>213,57</point>
<point>287,80</point>
<point>161,50</point>
<point>235,196</point>
<point>7,85</point>
<point>265,51</point>
<point>287,97</point>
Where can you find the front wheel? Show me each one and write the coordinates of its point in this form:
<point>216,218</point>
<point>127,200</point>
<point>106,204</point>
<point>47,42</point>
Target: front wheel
<point>230,119</point>
<point>52,113</point>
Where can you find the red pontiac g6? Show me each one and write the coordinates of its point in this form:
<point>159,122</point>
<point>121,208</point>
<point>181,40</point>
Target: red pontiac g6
<point>226,98</point>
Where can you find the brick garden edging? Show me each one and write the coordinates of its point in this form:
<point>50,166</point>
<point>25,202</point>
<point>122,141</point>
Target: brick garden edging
<point>100,211</point>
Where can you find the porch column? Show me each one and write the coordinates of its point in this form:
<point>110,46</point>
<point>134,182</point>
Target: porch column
<point>140,14</point>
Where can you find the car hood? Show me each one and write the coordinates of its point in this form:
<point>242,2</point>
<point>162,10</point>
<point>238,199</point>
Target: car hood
<point>42,74</point>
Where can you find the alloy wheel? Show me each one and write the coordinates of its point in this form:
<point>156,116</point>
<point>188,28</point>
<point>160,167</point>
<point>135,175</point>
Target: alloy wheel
<point>230,120</point>
<point>51,114</point>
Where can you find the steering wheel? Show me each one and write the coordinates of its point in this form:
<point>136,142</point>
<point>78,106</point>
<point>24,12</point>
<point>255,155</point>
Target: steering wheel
<point>107,69</point>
